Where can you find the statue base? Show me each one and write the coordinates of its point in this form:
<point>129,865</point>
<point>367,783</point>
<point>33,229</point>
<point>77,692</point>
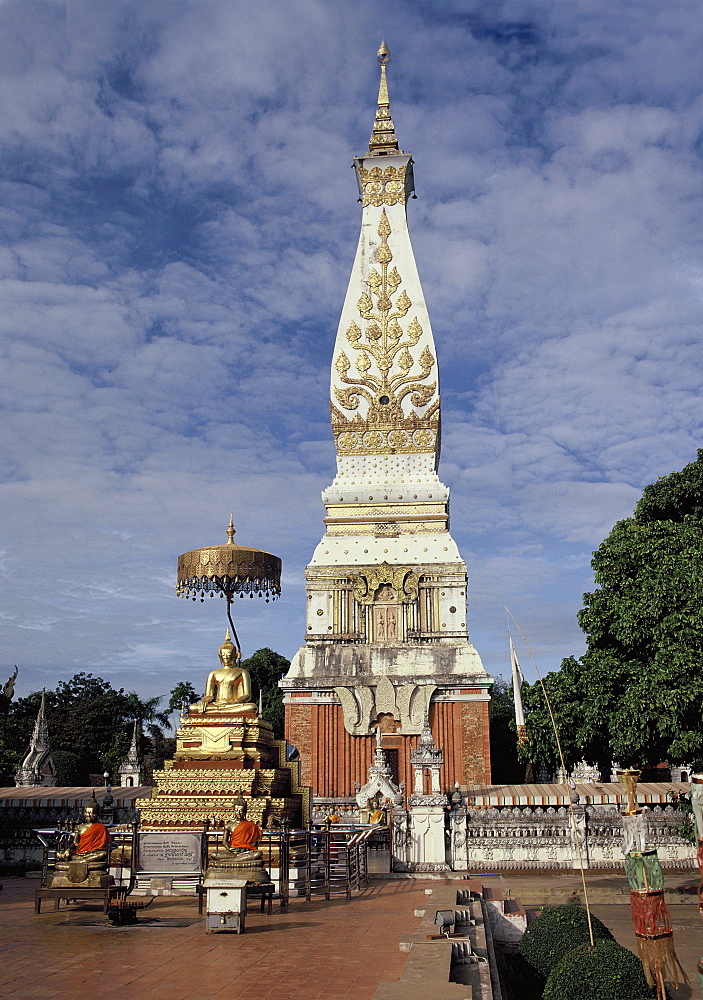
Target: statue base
<point>223,869</point>
<point>80,877</point>
<point>218,758</point>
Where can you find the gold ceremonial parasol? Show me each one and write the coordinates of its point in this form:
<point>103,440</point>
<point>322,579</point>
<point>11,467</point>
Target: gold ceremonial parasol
<point>229,569</point>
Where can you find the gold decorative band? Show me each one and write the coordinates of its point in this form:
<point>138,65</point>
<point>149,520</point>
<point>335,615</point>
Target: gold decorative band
<point>379,441</point>
<point>382,186</point>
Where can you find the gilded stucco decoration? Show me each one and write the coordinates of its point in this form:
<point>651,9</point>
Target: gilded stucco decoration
<point>385,368</point>
<point>418,436</point>
<point>403,579</point>
<point>382,186</point>
<point>387,344</point>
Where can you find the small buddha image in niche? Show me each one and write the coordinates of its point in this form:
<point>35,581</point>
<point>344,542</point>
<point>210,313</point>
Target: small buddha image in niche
<point>387,723</point>
<point>385,614</point>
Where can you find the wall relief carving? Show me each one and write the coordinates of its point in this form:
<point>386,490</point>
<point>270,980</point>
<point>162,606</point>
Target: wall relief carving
<point>403,580</point>
<point>407,703</point>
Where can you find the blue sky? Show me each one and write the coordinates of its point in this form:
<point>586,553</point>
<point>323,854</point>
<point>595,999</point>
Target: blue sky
<point>178,224</point>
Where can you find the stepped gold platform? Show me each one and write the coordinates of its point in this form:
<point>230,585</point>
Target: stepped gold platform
<point>220,756</point>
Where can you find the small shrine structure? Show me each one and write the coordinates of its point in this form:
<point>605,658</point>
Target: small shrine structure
<point>132,771</point>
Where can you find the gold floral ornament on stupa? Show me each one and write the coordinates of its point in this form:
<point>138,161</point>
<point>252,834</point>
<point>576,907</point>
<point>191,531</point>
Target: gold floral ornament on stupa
<point>228,570</point>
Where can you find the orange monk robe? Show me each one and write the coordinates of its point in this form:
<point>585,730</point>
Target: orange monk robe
<point>94,838</point>
<point>245,835</point>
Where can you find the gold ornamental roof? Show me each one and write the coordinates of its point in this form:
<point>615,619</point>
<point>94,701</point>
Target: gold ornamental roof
<point>228,569</point>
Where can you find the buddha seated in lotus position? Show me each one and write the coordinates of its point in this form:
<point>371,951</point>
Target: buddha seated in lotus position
<point>240,836</point>
<point>228,689</point>
<point>86,860</point>
<point>238,855</point>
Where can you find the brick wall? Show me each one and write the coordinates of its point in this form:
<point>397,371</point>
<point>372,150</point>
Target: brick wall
<point>332,760</point>
<point>298,729</point>
<point>476,746</point>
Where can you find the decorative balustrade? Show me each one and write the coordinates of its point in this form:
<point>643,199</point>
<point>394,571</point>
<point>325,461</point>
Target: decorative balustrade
<point>548,837</point>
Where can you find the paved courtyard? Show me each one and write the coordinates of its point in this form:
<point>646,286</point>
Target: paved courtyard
<point>335,949</point>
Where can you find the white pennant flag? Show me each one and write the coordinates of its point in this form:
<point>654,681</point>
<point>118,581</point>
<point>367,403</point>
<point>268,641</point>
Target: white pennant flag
<point>517,685</point>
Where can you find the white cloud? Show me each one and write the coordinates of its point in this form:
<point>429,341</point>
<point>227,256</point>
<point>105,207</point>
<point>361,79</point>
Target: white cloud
<point>179,222</point>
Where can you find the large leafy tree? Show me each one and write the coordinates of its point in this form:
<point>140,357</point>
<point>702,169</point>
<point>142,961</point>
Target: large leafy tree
<point>90,727</point>
<point>182,694</point>
<point>636,696</point>
<point>266,669</point>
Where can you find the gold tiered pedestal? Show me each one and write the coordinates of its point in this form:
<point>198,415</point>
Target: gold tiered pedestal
<point>219,757</point>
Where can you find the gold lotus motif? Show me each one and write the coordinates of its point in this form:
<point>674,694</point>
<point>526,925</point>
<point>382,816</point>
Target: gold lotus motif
<point>347,441</point>
<point>397,439</point>
<point>423,438</point>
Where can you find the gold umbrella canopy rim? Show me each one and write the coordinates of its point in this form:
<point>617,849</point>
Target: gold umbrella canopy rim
<point>229,569</point>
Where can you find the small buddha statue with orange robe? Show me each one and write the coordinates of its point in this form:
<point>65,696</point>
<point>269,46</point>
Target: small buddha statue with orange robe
<point>241,836</point>
<point>86,860</point>
<point>238,857</point>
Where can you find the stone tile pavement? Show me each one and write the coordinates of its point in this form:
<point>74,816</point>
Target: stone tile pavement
<point>338,949</point>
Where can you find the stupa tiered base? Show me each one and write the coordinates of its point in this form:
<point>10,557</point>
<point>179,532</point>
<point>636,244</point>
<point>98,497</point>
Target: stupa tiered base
<point>220,756</point>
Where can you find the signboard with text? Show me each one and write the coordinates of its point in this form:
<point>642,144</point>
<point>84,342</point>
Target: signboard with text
<point>169,852</point>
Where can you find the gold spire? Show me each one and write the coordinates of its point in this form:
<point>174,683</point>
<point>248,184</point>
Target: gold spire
<point>230,530</point>
<point>383,138</point>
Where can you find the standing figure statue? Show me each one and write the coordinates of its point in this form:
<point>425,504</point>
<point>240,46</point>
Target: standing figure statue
<point>228,689</point>
<point>86,861</point>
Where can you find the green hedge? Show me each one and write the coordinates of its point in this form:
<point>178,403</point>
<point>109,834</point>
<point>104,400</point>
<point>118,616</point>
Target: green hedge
<point>606,971</point>
<point>555,932</point>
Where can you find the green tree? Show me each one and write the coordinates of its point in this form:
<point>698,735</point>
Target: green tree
<point>266,669</point>
<point>90,726</point>
<point>636,695</point>
<point>506,768</point>
<point>182,693</point>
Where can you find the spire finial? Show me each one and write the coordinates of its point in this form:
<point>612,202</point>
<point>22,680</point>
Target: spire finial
<point>383,138</point>
<point>230,530</point>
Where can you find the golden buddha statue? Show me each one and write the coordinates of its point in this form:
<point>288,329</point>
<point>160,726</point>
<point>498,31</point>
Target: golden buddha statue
<point>240,836</point>
<point>238,853</point>
<point>86,861</point>
<point>228,688</point>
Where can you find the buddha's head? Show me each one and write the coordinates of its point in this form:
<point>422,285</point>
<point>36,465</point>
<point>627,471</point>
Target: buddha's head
<point>239,809</point>
<point>91,811</point>
<point>229,654</point>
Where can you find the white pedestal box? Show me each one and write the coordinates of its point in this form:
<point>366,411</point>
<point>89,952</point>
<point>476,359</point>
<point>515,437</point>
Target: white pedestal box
<point>226,903</point>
